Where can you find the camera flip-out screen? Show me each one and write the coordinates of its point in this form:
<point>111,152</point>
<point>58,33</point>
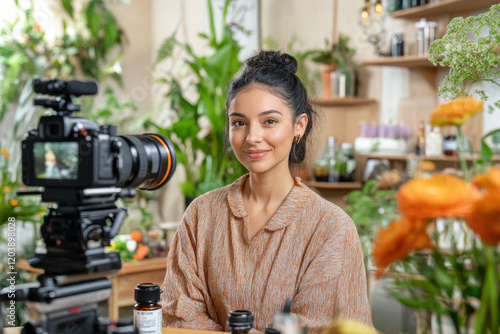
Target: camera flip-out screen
<point>56,160</point>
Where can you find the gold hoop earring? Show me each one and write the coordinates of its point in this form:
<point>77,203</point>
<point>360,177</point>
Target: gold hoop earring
<point>296,139</point>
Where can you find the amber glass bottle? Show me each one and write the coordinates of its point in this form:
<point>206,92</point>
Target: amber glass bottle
<point>147,311</point>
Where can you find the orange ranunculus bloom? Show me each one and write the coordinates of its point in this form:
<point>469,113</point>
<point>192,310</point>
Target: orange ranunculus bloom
<point>484,219</point>
<point>439,196</point>
<point>14,202</point>
<point>485,216</point>
<point>397,240</point>
<point>456,112</point>
<point>488,180</point>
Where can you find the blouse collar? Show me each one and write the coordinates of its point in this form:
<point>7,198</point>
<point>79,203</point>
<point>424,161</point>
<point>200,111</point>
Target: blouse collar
<point>286,213</point>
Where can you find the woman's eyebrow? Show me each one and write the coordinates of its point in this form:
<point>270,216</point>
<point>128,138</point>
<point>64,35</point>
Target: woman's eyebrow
<point>264,113</point>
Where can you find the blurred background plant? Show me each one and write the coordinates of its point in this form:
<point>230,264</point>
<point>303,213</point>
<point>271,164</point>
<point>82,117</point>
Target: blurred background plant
<point>339,54</point>
<point>371,208</point>
<point>197,127</point>
<point>470,49</point>
<point>21,208</point>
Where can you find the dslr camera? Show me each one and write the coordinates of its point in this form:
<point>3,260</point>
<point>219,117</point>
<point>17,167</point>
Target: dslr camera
<point>83,168</point>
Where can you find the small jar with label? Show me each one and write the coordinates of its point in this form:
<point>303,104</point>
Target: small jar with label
<point>147,311</point>
<point>450,146</point>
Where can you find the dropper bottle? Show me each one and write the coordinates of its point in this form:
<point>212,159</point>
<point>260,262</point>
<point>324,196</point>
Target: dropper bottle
<point>286,322</point>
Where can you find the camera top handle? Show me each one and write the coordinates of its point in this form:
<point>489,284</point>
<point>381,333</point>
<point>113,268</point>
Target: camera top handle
<point>64,91</point>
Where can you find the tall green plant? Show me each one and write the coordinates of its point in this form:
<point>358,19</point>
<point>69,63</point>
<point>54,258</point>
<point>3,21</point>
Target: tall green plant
<point>203,155</point>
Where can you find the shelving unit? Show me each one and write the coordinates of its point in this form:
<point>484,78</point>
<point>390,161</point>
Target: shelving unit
<point>346,101</point>
<point>407,156</point>
<point>404,61</point>
<point>334,185</point>
<point>417,63</point>
<point>450,6</point>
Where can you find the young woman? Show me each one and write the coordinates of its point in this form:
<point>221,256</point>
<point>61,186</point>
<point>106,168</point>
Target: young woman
<point>266,237</point>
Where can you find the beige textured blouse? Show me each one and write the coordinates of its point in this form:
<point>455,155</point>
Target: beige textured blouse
<point>308,251</point>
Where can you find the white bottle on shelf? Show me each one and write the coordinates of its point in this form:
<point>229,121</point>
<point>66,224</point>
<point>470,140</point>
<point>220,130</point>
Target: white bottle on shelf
<point>433,141</point>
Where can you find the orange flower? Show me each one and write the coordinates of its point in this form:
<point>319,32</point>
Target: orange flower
<point>14,202</point>
<point>456,112</point>
<point>141,252</point>
<point>397,240</point>
<point>7,189</point>
<point>488,180</point>
<point>426,166</point>
<point>5,152</point>
<point>439,196</point>
<point>136,235</point>
<point>484,219</point>
<point>485,216</point>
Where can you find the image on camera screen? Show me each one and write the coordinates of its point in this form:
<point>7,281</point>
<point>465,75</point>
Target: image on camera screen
<point>56,160</point>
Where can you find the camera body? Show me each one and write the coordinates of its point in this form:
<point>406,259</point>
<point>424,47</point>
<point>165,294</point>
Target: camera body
<point>89,154</point>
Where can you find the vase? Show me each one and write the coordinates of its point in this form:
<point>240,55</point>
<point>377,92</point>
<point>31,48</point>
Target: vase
<point>326,80</point>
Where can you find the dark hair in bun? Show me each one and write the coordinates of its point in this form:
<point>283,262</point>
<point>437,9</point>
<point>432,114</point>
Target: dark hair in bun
<point>273,60</point>
<point>277,71</point>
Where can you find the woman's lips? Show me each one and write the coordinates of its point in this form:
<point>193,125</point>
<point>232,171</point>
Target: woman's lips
<point>256,154</point>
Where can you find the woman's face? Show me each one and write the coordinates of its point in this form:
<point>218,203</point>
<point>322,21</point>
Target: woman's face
<point>261,129</point>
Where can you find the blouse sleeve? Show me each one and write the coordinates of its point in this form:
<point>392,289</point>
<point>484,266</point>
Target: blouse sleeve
<point>334,285</point>
<point>183,299</point>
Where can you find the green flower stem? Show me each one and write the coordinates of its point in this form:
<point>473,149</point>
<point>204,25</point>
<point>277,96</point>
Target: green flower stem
<point>461,151</point>
<point>489,295</point>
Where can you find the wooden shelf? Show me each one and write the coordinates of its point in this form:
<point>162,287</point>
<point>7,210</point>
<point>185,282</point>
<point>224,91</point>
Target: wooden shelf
<point>449,6</point>
<point>334,185</point>
<point>346,101</point>
<point>407,156</point>
<point>404,61</point>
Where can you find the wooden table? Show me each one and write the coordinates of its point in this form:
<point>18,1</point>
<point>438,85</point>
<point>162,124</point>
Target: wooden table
<point>17,330</point>
<point>124,281</point>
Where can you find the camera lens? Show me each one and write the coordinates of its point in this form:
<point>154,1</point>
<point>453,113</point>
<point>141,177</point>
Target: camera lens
<point>149,161</point>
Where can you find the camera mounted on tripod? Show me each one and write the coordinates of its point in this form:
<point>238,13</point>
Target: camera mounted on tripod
<point>84,168</point>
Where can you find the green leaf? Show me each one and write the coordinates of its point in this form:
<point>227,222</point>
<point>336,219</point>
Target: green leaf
<point>486,151</point>
<point>68,7</point>
<point>93,19</point>
<point>188,189</point>
<point>110,31</point>
<point>166,49</point>
<point>185,128</point>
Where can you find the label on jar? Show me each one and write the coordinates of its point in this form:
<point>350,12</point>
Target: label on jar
<point>449,145</point>
<point>148,322</point>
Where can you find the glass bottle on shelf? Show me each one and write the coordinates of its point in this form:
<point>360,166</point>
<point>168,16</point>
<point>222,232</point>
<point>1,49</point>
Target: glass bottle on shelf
<point>347,150</point>
<point>420,142</point>
<point>394,5</point>
<point>325,169</point>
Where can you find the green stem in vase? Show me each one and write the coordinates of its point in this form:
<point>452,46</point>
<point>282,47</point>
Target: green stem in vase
<point>489,294</point>
<point>461,151</point>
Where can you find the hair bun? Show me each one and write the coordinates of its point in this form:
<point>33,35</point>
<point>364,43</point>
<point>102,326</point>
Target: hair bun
<point>273,59</point>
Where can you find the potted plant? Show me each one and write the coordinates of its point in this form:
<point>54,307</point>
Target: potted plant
<point>197,131</point>
<point>335,56</point>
